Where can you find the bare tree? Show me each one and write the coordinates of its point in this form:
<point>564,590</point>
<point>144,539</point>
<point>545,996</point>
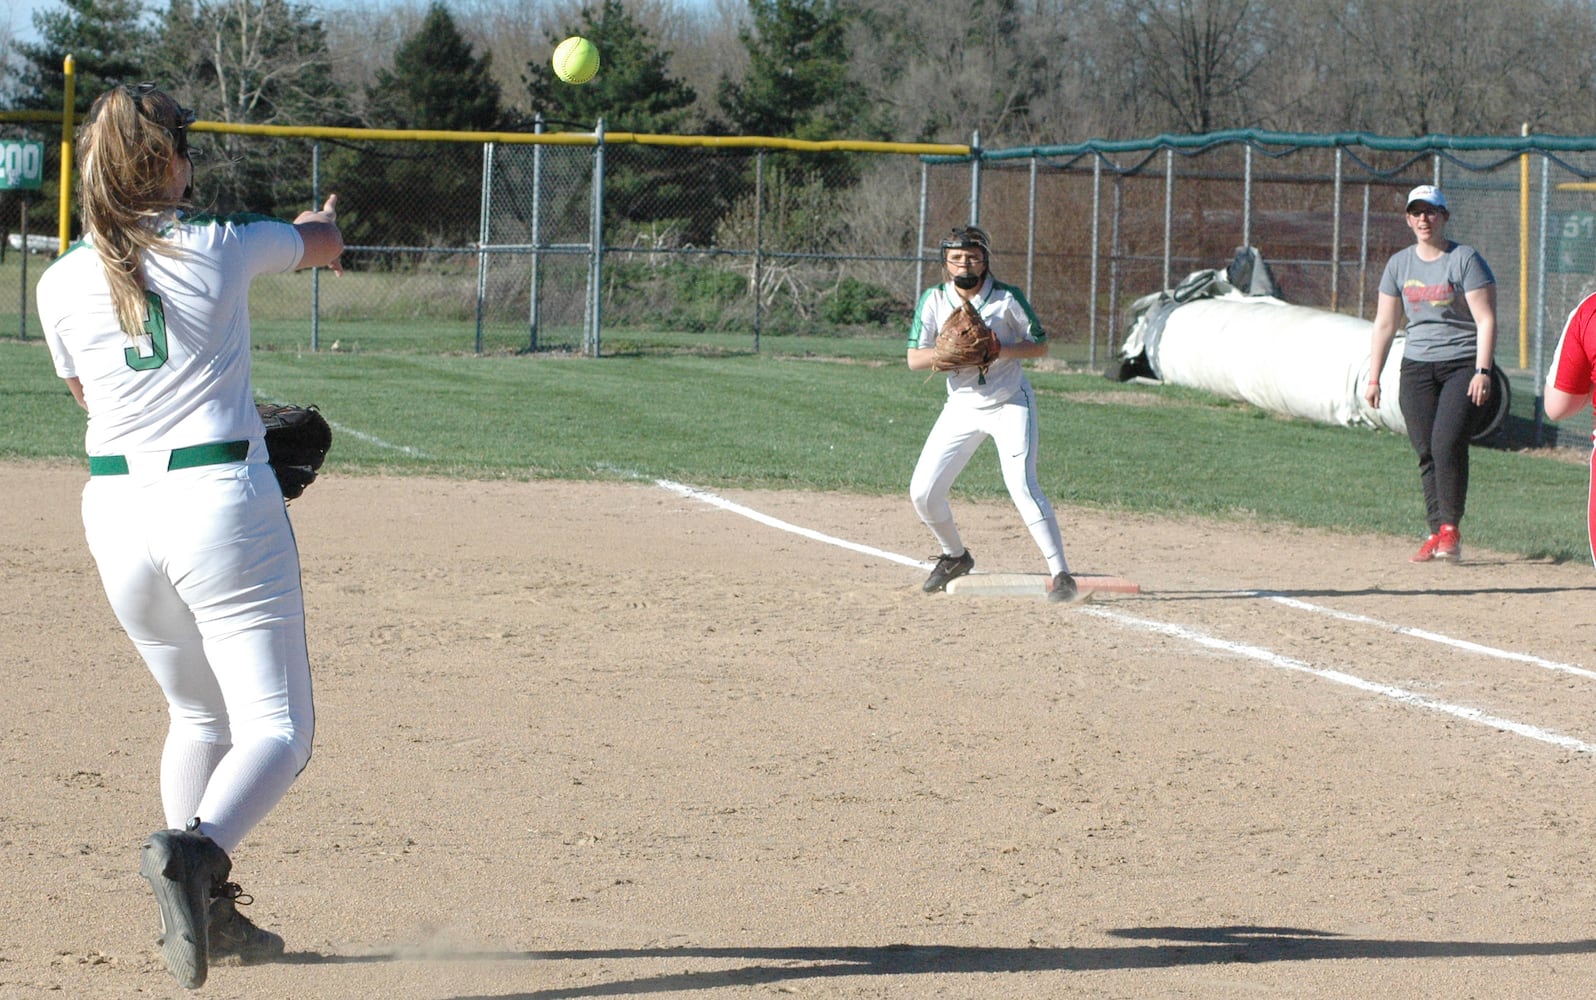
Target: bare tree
<point>1438,66</point>
<point>705,46</point>
<point>516,33</point>
<point>263,58</point>
<point>1198,57</point>
<point>360,43</point>
<point>248,62</point>
<point>948,68</point>
<point>1551,78</point>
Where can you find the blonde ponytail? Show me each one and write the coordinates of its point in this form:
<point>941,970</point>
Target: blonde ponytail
<point>126,150</point>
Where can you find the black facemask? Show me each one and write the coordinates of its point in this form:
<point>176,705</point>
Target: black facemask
<point>966,280</point>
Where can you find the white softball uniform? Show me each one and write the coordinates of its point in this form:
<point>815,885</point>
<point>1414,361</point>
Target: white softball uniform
<point>185,519</point>
<point>999,404</point>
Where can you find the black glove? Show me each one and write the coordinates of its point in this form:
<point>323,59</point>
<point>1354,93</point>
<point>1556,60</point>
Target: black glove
<point>297,439</point>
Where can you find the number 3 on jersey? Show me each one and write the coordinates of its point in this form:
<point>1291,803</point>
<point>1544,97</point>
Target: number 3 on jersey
<point>149,350</point>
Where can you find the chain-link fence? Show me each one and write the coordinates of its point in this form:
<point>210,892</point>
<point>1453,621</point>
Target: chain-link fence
<point>1091,228</point>
<point>733,245</point>
<point>596,246</point>
<point>1094,230</point>
<point>594,243</point>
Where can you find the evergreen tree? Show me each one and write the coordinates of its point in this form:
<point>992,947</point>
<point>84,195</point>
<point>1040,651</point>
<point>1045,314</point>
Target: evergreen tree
<point>436,82</point>
<point>797,84</point>
<point>634,92</point>
<point>107,40</point>
<point>423,193</point>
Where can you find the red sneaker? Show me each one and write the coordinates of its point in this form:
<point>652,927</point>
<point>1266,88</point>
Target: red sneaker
<point>1427,550</point>
<point>1444,544</point>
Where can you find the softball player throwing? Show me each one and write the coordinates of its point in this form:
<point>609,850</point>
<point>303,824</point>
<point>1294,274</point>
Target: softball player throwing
<point>146,320</point>
<point>997,403</point>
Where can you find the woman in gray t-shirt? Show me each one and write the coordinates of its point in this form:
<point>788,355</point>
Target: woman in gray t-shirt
<point>1448,295</point>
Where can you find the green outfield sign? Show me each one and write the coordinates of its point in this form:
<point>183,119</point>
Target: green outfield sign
<point>21,165</point>
<point>1573,244</point>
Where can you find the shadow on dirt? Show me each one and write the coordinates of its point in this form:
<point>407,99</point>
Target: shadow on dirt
<point>1177,946</point>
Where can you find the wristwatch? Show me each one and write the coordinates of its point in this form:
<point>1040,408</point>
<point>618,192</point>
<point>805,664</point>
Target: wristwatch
<point>1482,371</point>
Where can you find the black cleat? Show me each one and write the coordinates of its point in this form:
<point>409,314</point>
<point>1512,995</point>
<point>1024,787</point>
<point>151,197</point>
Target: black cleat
<point>1064,591</point>
<point>948,568</point>
<point>234,936</point>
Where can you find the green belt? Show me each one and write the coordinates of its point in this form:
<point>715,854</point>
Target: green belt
<point>182,458</point>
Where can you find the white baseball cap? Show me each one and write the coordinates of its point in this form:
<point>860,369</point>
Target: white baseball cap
<point>1429,194</point>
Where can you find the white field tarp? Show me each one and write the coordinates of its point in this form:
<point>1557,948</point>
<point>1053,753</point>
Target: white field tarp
<point>1287,359</point>
<point>1279,357</point>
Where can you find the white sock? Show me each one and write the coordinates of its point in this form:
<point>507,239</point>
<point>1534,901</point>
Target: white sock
<point>1045,532</point>
<point>249,782</point>
<point>186,768</point>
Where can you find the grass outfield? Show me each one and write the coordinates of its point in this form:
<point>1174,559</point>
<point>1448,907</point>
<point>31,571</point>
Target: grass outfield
<point>855,424</point>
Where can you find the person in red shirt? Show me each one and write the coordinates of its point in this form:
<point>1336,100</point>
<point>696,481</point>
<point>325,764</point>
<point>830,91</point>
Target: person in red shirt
<point>1569,386</point>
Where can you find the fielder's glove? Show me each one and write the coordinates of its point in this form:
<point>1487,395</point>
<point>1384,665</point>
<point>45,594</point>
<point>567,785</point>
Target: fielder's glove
<point>297,439</point>
<point>965,341</point>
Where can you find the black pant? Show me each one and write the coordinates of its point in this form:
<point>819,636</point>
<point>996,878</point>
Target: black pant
<point>1440,417</point>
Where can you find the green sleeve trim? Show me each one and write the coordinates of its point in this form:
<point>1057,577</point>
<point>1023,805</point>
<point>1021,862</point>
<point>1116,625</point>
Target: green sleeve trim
<point>1037,333</point>
<point>236,219</point>
<point>919,307</point>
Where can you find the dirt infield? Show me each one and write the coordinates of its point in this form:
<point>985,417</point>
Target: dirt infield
<point>603,740</point>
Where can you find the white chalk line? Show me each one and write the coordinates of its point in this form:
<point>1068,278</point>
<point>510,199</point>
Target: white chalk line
<point>1418,633</point>
<point>694,493</point>
<point>379,442</point>
<point>369,439</point>
<point>1340,677</point>
<point>1182,632</point>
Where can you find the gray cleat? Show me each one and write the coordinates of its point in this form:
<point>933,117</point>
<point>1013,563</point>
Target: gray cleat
<point>185,870</point>
<point>235,936</point>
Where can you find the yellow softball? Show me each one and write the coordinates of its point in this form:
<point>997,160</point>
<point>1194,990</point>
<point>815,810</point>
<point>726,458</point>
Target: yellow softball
<point>575,60</point>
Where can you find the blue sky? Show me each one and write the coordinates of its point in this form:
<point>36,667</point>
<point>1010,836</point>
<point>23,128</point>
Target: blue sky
<point>22,17</point>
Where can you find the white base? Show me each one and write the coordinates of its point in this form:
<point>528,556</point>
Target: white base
<point>1034,585</point>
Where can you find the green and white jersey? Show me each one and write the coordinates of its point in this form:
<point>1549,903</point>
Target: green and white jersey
<point>184,379</point>
<point>1004,309</point>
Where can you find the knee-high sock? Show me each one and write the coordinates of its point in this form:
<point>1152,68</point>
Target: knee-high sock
<point>186,768</point>
<point>251,779</point>
<point>1047,537</point>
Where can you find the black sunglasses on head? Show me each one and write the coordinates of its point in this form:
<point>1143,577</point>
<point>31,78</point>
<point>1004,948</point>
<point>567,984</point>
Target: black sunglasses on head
<point>185,117</point>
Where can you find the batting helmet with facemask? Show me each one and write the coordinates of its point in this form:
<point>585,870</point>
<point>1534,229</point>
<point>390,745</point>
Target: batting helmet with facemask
<point>967,238</point>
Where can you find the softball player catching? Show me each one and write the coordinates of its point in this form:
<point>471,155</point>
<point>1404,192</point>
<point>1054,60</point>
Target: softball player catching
<point>1570,383</point>
<point>996,403</point>
<point>146,320</point>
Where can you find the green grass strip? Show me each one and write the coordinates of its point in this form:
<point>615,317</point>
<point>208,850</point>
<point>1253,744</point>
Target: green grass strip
<point>791,418</point>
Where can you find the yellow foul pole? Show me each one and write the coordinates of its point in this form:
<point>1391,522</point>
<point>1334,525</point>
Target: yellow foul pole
<point>1523,255</point>
<point>69,73</point>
